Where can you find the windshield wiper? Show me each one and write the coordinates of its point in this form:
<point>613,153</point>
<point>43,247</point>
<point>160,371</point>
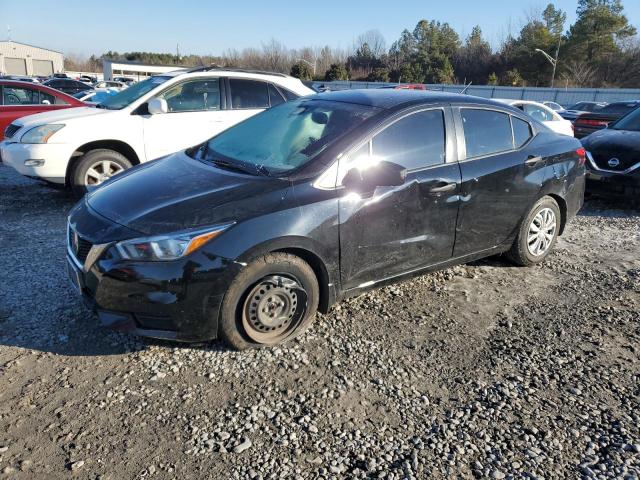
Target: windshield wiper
<point>229,165</point>
<point>99,105</point>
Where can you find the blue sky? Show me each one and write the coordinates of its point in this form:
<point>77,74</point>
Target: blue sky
<point>210,27</point>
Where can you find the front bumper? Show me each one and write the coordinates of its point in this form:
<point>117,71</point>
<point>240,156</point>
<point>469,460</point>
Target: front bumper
<point>178,300</point>
<point>614,184</point>
<point>51,158</point>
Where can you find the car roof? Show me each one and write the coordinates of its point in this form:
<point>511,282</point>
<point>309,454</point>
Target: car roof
<point>389,98</point>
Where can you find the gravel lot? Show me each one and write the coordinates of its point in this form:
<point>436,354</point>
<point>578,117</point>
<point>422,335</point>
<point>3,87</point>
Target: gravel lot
<point>483,370</point>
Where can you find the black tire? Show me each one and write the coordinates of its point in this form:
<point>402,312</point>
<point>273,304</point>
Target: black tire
<point>238,331</point>
<point>88,160</point>
<point>520,253</point>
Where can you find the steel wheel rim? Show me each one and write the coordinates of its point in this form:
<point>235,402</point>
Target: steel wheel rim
<point>102,171</point>
<point>273,309</point>
<point>542,231</point>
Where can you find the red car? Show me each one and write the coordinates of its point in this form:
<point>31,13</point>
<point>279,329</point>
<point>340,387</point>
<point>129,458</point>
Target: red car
<point>19,99</point>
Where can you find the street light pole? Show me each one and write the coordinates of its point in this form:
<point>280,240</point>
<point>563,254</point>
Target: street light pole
<point>552,61</point>
<point>312,65</point>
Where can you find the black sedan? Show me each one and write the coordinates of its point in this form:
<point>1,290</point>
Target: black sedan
<point>244,237</point>
<point>588,123</point>
<point>577,109</point>
<point>614,159</point>
<point>67,85</point>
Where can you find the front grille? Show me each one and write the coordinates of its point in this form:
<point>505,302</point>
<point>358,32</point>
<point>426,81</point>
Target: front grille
<point>624,160</point>
<point>11,130</point>
<point>78,245</point>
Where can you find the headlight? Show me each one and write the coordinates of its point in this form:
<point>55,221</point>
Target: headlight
<point>168,247</point>
<point>40,134</point>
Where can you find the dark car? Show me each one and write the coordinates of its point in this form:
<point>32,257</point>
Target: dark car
<point>613,168</point>
<point>244,237</point>
<point>587,123</point>
<point>67,85</point>
<point>577,109</point>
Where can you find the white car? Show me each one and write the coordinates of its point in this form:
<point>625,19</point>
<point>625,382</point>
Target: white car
<point>110,84</point>
<point>81,147</point>
<point>543,114</point>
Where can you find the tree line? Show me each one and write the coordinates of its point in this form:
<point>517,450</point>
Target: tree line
<point>599,50</point>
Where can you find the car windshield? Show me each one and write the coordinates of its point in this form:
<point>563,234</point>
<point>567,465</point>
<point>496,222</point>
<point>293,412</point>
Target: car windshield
<point>133,93</point>
<point>629,122</point>
<point>285,137</point>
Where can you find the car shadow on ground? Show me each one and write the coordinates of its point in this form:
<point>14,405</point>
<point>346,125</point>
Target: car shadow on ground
<point>609,207</point>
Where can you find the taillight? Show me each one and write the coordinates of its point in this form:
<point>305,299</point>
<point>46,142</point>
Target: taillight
<point>582,155</point>
<point>593,123</point>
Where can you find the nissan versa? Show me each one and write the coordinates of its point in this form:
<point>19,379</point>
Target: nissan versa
<point>245,236</point>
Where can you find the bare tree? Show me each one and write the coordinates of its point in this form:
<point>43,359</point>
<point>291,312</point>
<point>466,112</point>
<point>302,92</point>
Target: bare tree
<point>375,41</point>
<point>579,73</point>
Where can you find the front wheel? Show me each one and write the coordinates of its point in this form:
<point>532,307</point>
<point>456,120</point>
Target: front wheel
<point>95,167</point>
<point>538,233</point>
<point>272,300</point>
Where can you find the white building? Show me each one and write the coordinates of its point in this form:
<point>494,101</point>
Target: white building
<point>22,59</point>
<point>135,70</point>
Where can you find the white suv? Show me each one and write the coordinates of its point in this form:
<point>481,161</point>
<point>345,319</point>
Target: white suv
<point>81,147</point>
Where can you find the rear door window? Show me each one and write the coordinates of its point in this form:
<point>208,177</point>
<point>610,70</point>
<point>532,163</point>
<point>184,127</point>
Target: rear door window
<point>538,113</point>
<point>248,94</point>
<point>486,132</point>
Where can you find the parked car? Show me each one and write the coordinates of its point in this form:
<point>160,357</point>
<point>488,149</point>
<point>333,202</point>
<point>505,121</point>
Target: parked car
<point>19,78</point>
<point>88,79</point>
<point>148,120</point>
<point>556,107</point>
<point>587,123</point>
<point>66,85</point>
<point>94,97</point>
<point>244,236</point>
<point>125,80</point>
<point>407,86</point>
<point>577,109</point>
<point>542,114</point>
<point>613,168</point>
<point>110,84</point>
<point>19,99</point>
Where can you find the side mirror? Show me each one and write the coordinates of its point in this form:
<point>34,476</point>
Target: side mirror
<point>157,106</point>
<point>382,174</point>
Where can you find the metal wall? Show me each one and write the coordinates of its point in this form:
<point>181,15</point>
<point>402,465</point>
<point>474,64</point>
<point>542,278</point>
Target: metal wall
<point>563,96</point>
<point>19,58</point>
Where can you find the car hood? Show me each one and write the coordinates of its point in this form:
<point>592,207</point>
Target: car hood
<point>611,138</point>
<point>63,115</point>
<point>177,193</point>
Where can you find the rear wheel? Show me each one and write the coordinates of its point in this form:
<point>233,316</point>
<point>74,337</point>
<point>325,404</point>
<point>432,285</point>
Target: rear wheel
<point>538,233</point>
<point>95,167</point>
<point>272,300</point>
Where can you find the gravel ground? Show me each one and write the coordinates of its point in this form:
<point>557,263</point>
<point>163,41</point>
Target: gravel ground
<point>483,370</point>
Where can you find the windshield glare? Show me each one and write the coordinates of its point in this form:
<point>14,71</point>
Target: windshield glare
<point>288,136</point>
<point>629,122</point>
<point>126,97</point>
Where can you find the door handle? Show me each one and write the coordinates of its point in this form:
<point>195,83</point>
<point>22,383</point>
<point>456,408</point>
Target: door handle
<point>533,160</point>
<point>443,187</point>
